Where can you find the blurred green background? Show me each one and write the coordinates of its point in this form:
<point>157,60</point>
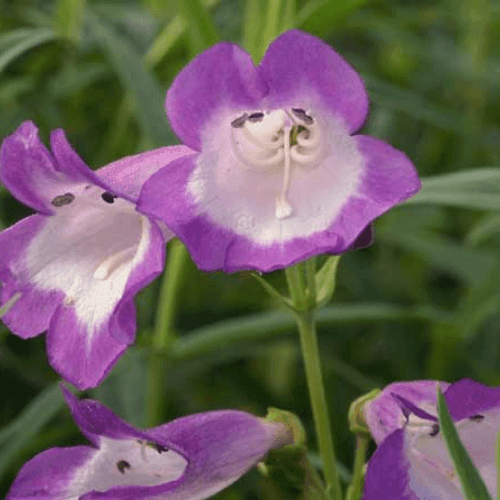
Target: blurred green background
<point>422,302</point>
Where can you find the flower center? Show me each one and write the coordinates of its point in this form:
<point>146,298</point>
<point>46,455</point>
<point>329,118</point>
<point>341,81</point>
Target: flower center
<point>279,139</point>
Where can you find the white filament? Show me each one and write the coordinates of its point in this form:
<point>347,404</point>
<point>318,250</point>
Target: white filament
<point>264,144</point>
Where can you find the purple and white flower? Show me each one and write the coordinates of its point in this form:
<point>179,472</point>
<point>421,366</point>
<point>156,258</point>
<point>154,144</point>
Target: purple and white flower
<point>411,461</point>
<point>278,175</point>
<point>191,458</point>
<point>75,266</point>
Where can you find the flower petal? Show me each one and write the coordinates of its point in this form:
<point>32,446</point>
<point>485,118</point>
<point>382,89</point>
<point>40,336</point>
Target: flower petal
<point>387,475</point>
<point>96,321</point>
<point>220,447</point>
<point>33,176</point>
<point>467,397</point>
<point>384,414</point>
<point>95,419</point>
<point>389,177</point>
<point>129,174</point>
<point>298,64</point>
<point>31,313</point>
<point>192,457</point>
<point>226,214</point>
<point>223,76</point>
<point>48,475</point>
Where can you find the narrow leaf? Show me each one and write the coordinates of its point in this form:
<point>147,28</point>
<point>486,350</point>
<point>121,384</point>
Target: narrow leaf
<point>28,424</point>
<point>443,253</point>
<point>326,280</point>
<point>486,228</point>
<point>475,189</point>
<point>273,292</point>
<point>131,70</point>
<point>268,325</point>
<point>253,26</point>
<point>201,29</point>
<point>69,18</point>
<point>473,487</point>
<point>20,41</point>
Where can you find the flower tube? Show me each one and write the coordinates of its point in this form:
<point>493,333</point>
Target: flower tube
<point>411,461</point>
<point>190,458</point>
<point>278,175</point>
<point>73,268</point>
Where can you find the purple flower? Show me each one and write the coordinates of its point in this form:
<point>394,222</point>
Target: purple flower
<point>412,461</point>
<point>77,264</point>
<point>278,175</point>
<point>190,458</point>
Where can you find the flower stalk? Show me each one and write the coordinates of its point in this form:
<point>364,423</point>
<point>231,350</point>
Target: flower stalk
<point>164,335</point>
<point>301,285</point>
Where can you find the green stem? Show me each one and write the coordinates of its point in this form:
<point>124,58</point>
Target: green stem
<point>304,315</point>
<point>358,477</point>
<point>164,335</point>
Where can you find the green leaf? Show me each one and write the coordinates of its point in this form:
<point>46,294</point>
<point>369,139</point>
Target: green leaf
<point>487,227</point>
<point>480,301</point>
<point>257,327</point>
<point>16,43</point>
<point>28,424</point>
<point>397,98</point>
<point>201,29</point>
<point>147,95</point>
<point>253,25</point>
<point>285,301</point>
<point>69,18</point>
<point>321,16</point>
<point>475,189</point>
<point>442,253</point>
<point>125,388</point>
<point>473,487</point>
<point>326,280</point>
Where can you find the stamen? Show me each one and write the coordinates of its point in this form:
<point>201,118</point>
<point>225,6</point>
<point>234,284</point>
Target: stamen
<point>302,115</point>
<point>240,121</point>
<point>113,262</point>
<point>283,207</point>
<point>309,138</point>
<point>255,163</point>
<point>108,197</point>
<point>305,159</point>
<point>476,418</point>
<point>435,430</point>
<point>63,199</point>
<point>256,117</point>
<point>122,465</point>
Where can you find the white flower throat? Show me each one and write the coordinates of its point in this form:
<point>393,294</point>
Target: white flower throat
<point>271,140</point>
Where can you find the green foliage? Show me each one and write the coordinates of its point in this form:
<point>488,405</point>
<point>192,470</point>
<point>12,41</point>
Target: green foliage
<point>423,301</point>
<point>69,18</point>
<point>473,486</point>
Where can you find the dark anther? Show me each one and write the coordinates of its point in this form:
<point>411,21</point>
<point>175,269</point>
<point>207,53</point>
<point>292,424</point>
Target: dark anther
<point>240,121</point>
<point>476,418</point>
<point>301,114</point>
<point>256,117</point>
<point>63,199</point>
<point>122,465</point>
<point>158,447</point>
<point>108,197</point>
<point>435,430</point>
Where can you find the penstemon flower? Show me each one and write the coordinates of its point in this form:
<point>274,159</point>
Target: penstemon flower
<point>278,175</point>
<point>191,458</point>
<point>75,267</point>
<point>412,461</point>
